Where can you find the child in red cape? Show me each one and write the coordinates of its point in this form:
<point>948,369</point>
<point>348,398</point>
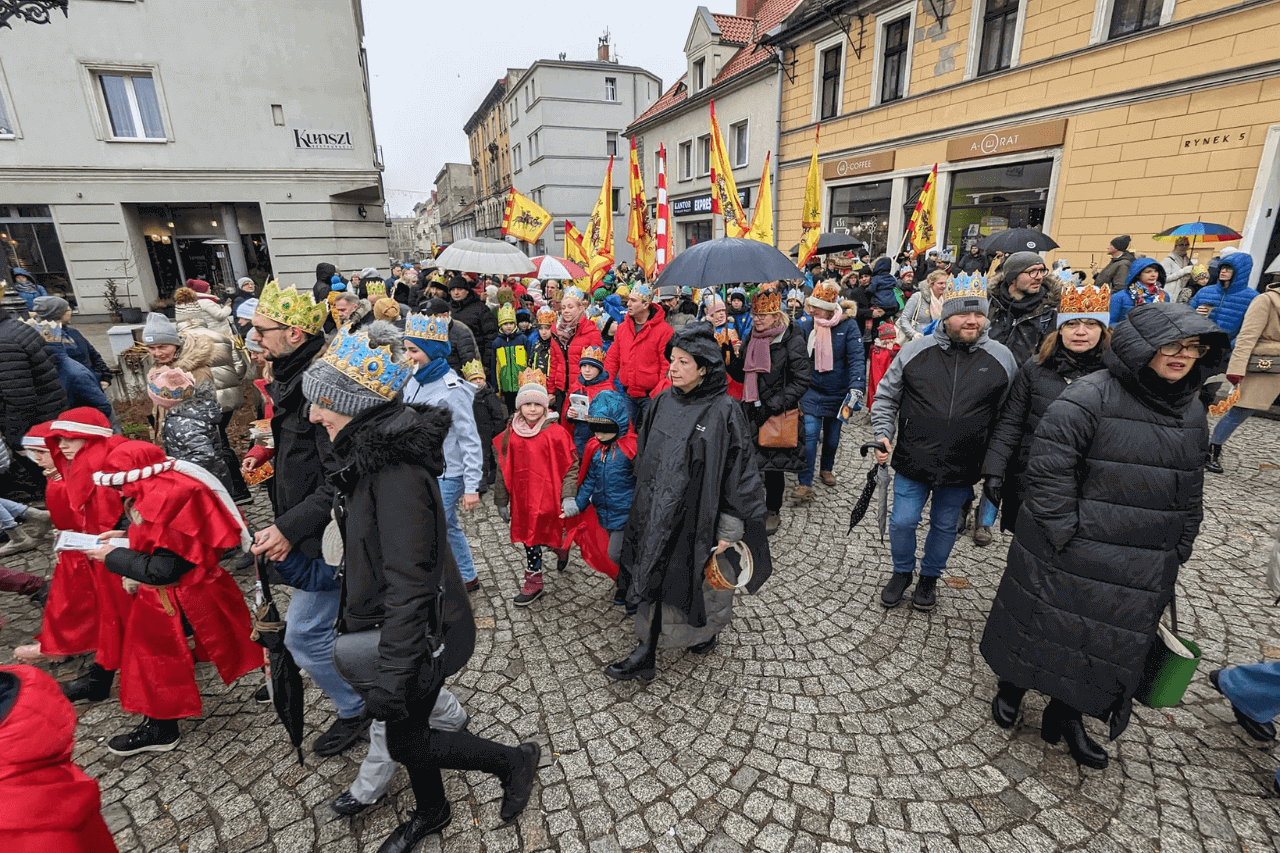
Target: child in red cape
<point>49,802</point>
<point>535,465</point>
<point>182,519</point>
<point>79,440</point>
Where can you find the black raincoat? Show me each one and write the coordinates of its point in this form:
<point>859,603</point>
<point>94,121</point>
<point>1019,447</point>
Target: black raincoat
<point>1113,505</point>
<point>695,462</point>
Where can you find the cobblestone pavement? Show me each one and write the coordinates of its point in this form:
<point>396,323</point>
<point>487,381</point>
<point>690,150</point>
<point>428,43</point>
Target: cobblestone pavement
<point>820,723</point>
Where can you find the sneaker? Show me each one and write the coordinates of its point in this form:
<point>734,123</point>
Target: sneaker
<point>706,646</point>
<point>562,562</point>
<point>772,522</point>
<point>151,736</point>
<point>1253,728</point>
<point>262,695</point>
<point>344,732</point>
<point>93,686</point>
<point>345,805</point>
<point>828,478</point>
<point>517,789</point>
<point>527,596</point>
<point>926,595</point>
<point>803,494</point>
<point>896,589</point>
<point>19,541</point>
<point>472,585</point>
<point>981,535</point>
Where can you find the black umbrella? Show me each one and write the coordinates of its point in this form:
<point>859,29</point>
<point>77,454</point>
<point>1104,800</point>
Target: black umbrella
<point>728,260</point>
<point>286,677</point>
<point>877,479</point>
<point>832,241</point>
<point>1012,240</point>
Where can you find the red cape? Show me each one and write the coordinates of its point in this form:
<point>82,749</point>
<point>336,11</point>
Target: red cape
<point>70,625</point>
<point>533,470</point>
<point>584,528</point>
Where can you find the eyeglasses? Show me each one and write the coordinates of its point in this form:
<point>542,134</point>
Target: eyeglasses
<point>1035,271</point>
<point>262,331</point>
<point>1179,347</point>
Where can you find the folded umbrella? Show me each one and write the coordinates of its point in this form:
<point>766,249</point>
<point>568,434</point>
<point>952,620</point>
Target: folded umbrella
<point>285,682</point>
<point>877,483</point>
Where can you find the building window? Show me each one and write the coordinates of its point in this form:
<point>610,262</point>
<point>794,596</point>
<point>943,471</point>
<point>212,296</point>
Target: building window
<point>893,75</point>
<point>1131,16</point>
<point>536,197</point>
<point>611,143</point>
<point>515,157</point>
<point>533,87</point>
<point>6,126</point>
<point>999,24</point>
<point>514,109</point>
<point>133,107</point>
<point>697,232</point>
<point>533,146</point>
<point>28,240</point>
<point>830,81</point>
<point>615,198</point>
<point>686,160</point>
<point>738,135</point>
<point>984,201</point>
<point>704,155</point>
<point>611,88</point>
<point>699,75</point>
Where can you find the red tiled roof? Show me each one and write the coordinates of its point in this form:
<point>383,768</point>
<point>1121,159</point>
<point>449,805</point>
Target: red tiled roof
<point>750,56</point>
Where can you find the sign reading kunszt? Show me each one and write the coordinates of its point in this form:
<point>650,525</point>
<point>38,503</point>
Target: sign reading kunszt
<point>307,139</point>
<point>701,204</point>
<point>1027,137</point>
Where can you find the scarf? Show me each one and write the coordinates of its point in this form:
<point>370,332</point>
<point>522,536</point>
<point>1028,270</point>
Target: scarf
<point>820,342</point>
<point>27,286</point>
<point>431,371</point>
<point>1144,293</point>
<point>564,332</point>
<point>935,306</point>
<point>524,429</point>
<point>758,361</point>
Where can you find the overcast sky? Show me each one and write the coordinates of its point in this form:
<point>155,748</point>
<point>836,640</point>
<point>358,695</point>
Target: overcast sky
<point>431,62</point>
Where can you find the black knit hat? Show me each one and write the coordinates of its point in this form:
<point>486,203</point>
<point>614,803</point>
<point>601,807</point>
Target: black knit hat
<point>1121,243</point>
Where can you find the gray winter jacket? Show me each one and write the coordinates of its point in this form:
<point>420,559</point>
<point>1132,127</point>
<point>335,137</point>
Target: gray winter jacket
<point>189,432</point>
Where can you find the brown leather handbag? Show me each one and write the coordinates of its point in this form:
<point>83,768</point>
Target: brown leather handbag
<point>782,430</point>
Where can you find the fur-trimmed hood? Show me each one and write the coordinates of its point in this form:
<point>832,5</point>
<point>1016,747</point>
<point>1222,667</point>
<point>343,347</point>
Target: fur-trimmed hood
<point>197,351</point>
<point>392,434</point>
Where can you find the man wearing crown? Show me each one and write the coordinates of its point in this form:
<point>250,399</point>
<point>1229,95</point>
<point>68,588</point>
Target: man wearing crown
<point>289,327</point>
<point>939,399</point>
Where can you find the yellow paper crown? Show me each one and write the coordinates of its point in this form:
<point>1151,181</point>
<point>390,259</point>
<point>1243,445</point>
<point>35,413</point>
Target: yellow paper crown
<point>376,289</point>
<point>546,316</point>
<point>473,369</point>
<point>826,291</point>
<point>374,368</point>
<point>1088,300</point>
<point>506,314</point>
<point>593,354</point>
<point>288,307</point>
<point>532,376</point>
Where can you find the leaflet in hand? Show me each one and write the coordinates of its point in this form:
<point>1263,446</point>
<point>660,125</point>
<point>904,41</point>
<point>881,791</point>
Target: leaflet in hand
<point>580,403</point>
<point>70,540</point>
<point>850,405</point>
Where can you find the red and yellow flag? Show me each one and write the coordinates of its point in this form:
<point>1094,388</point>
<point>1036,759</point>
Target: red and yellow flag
<point>523,219</point>
<point>639,227</point>
<point>724,193</point>
<point>573,249</point>
<point>762,219</point>
<point>598,238</point>
<point>923,226</point>
<point>811,213</point>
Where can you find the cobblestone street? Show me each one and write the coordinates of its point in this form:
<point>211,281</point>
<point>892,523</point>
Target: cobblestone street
<point>820,723</point>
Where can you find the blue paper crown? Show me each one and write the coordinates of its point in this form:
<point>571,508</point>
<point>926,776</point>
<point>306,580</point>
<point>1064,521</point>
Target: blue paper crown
<point>966,287</point>
<point>426,327</point>
<point>372,368</point>
<point>641,290</point>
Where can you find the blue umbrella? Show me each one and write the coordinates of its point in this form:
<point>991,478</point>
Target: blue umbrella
<point>1205,232</point>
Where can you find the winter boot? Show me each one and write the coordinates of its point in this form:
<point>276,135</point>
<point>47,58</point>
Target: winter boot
<point>1062,721</point>
<point>896,589</point>
<point>981,532</point>
<point>1005,705</point>
<point>151,736</point>
<point>926,596</point>
<point>532,589</point>
<point>803,494</point>
<point>1214,465</point>
<point>93,686</point>
<point>19,541</point>
<point>37,518</point>
<point>642,662</point>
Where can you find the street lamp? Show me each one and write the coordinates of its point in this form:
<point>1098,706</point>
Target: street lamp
<point>31,11</point>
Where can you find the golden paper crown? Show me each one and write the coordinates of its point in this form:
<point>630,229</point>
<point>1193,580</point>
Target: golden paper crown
<point>376,289</point>
<point>473,369</point>
<point>427,328</point>
<point>827,291</point>
<point>371,367</point>
<point>766,302</point>
<point>532,376</point>
<point>506,314</point>
<point>288,307</point>
<point>965,287</point>
<point>595,354</point>
<point>1088,301</point>
<point>546,316</point>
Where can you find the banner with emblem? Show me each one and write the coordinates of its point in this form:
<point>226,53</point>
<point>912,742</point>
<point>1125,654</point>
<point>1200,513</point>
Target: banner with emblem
<point>523,219</point>
<point>724,192</point>
<point>811,213</point>
<point>597,240</point>
<point>639,226</point>
<point>923,228</point>
<point>762,217</point>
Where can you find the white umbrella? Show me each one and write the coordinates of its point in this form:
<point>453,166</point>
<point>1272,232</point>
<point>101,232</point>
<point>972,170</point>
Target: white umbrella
<point>551,267</point>
<point>486,256</point>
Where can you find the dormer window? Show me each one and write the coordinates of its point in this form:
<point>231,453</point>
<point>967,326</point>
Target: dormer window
<point>699,75</point>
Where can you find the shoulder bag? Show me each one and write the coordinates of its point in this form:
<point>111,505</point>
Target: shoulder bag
<point>781,430</point>
<point>355,655</point>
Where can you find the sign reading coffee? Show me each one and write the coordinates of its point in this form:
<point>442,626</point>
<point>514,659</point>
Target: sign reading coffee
<point>1027,137</point>
<point>305,139</point>
<point>865,164</point>
<point>701,204</point>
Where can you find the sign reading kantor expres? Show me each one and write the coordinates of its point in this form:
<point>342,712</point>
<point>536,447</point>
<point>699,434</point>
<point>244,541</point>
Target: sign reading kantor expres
<point>307,139</point>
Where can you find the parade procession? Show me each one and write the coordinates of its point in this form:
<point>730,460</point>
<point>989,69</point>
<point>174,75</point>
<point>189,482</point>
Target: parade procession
<point>803,425</point>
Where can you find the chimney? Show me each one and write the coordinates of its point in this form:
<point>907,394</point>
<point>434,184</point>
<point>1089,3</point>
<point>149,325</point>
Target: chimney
<point>602,50</point>
<point>748,8</point>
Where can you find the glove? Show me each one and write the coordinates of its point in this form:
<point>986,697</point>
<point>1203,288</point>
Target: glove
<point>130,585</point>
<point>1234,378</point>
<point>858,397</point>
<point>991,489</point>
<point>569,507</point>
<point>381,705</point>
<point>504,513</point>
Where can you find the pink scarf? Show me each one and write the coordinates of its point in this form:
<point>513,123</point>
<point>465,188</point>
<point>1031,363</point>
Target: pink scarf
<point>758,361</point>
<point>524,429</point>
<point>820,342</point>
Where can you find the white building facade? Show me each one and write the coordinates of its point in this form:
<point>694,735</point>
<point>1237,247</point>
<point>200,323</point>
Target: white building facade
<point>565,119</point>
<point>148,143</point>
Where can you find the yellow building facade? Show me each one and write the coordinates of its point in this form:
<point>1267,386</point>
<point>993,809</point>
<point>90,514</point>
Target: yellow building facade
<point>1084,118</point>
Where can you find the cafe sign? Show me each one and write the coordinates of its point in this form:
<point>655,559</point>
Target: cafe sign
<point>1027,137</point>
<point>864,164</point>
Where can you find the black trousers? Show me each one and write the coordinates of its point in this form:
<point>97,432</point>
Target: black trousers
<point>775,486</point>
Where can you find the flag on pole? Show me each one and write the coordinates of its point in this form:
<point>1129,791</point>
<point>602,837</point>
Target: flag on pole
<point>811,213</point>
<point>598,238</point>
<point>662,242</point>
<point>523,219</point>
<point>573,249</point>
<point>762,219</point>
<point>724,193</point>
<point>923,227</point>
<point>639,226</point>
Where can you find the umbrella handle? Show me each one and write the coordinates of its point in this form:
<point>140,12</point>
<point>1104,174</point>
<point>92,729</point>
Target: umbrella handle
<point>870,445</point>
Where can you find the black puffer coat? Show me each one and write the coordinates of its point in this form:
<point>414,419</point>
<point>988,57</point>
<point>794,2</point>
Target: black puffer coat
<point>190,432</point>
<point>1021,325</point>
<point>1113,497</point>
<point>1034,387</point>
<point>790,374</point>
<point>477,317</point>
<point>30,392</point>
<point>388,507</point>
<point>695,465</point>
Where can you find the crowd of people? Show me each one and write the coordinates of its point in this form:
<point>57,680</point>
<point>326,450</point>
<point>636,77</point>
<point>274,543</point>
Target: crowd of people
<point>650,426</point>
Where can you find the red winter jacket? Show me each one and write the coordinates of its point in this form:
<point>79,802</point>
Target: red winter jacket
<point>639,360</point>
<point>562,374</point>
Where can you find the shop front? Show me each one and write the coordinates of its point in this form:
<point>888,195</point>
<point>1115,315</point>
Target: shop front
<point>694,221</point>
<point>29,239</point>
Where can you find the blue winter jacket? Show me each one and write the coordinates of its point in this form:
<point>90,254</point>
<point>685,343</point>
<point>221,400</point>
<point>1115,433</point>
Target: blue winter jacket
<point>884,286</point>
<point>848,369</point>
<point>79,348</point>
<point>610,480</point>
<point>1122,301</point>
<point>1230,304</point>
<point>79,382</point>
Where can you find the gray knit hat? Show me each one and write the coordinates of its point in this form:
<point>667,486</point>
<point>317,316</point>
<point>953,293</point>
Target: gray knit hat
<point>51,308</point>
<point>160,330</point>
<point>1017,263</point>
<point>328,386</point>
<point>369,272</point>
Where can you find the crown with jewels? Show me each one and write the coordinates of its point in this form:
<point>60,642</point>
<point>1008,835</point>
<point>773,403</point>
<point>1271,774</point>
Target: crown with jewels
<point>50,330</point>
<point>766,301</point>
<point>827,291</point>
<point>506,314</point>
<point>427,327</point>
<point>575,293</point>
<point>532,376</point>
<point>288,307</point>
<point>473,369</point>
<point>1085,303</point>
<point>376,289</point>
<point>373,368</point>
<point>965,286</point>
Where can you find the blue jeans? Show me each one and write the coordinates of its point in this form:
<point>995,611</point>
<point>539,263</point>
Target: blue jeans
<point>10,512</point>
<point>1255,688</point>
<point>908,508</point>
<point>830,430</point>
<point>451,490</point>
<point>312,619</point>
<point>1227,425</point>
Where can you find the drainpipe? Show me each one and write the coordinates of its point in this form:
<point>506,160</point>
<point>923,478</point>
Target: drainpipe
<point>777,145</point>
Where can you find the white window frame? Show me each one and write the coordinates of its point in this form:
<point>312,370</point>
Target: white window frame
<point>975,38</point>
<point>611,98</point>
<point>1102,19</point>
<point>683,174</point>
<point>513,110</point>
<point>819,48</point>
<point>533,146</point>
<point>515,158</point>
<point>699,70</point>
<point>611,136</point>
<point>89,73</point>
<point>6,99</point>
<point>697,151</point>
<point>892,16</point>
<point>745,126</point>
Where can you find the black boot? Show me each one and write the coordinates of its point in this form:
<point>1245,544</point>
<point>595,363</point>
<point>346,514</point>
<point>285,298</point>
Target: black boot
<point>641,662</point>
<point>1214,465</point>
<point>93,686</point>
<point>895,590</point>
<point>406,836</point>
<point>151,736</point>
<point>1005,705</point>
<point>1062,721</point>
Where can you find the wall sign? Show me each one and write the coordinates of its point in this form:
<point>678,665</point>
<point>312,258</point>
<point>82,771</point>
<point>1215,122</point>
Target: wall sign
<point>1027,137</point>
<point>866,164</point>
<point>308,139</point>
<point>701,204</point>
<point>1215,139</point>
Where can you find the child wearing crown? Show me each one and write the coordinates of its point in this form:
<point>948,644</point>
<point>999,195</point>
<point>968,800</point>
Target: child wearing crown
<point>510,354</point>
<point>535,464</point>
<point>591,380</point>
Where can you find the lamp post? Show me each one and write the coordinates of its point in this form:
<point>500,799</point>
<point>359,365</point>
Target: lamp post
<point>31,11</point>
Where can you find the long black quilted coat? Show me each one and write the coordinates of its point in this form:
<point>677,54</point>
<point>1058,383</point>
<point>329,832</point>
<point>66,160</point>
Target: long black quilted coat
<point>1113,505</point>
<point>30,392</point>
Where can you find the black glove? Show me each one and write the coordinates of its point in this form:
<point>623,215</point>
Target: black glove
<point>382,705</point>
<point>991,489</point>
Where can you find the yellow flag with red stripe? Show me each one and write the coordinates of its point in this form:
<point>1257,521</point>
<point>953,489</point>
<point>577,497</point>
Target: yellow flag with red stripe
<point>597,240</point>
<point>523,219</point>
<point>639,226</point>
<point>811,213</point>
<point>924,220</point>
<point>724,192</point>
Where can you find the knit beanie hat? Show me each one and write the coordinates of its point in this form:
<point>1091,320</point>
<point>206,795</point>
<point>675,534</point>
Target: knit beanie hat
<point>167,387</point>
<point>1121,243</point>
<point>369,272</point>
<point>533,388</point>
<point>386,308</point>
<point>336,283</point>
<point>1017,263</point>
<point>435,307</point>
<point>965,294</point>
<point>593,356</point>
<point>51,308</point>
<point>826,295</point>
<point>159,329</point>
<point>247,309</point>
<point>199,285</point>
<point>375,353</point>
